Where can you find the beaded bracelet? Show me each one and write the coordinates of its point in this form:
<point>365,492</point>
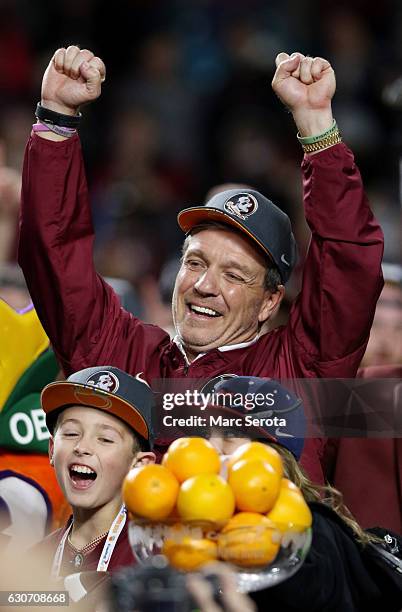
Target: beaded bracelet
<point>328,141</point>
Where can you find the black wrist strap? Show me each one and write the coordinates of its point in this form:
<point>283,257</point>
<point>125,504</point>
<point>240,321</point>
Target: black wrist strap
<point>48,116</point>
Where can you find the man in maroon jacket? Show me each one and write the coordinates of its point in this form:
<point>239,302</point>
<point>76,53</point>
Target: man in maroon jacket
<point>232,276</point>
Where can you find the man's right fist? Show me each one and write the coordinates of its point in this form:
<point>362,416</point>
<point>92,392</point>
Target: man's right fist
<point>72,78</point>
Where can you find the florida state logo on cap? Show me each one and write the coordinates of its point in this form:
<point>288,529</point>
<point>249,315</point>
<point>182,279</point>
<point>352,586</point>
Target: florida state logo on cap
<point>241,205</point>
<point>107,381</point>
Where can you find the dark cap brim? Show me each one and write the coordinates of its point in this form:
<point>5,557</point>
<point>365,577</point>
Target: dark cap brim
<point>61,394</point>
<point>190,217</point>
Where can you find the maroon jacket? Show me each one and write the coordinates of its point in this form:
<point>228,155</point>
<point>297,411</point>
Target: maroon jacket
<point>329,322</point>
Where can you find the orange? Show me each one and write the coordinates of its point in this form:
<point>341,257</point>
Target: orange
<point>188,457</point>
<point>290,511</point>
<point>189,553</point>
<point>150,491</point>
<point>249,540</point>
<point>255,485</point>
<point>289,484</point>
<point>257,450</point>
<point>246,519</point>
<point>206,497</point>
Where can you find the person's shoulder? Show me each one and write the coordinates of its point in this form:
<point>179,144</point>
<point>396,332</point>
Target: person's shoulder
<point>322,513</point>
<point>327,523</point>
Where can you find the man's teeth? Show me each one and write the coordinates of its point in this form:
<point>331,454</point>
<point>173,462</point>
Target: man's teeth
<point>82,469</point>
<point>203,310</point>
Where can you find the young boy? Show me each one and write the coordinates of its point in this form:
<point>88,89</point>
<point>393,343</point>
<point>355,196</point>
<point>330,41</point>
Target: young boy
<point>100,425</point>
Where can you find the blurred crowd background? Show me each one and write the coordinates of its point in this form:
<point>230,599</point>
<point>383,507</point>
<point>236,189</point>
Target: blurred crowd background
<point>187,105</point>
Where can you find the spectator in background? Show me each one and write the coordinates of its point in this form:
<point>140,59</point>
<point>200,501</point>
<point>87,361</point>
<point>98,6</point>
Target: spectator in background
<point>13,288</point>
<point>14,122</point>
<point>368,471</point>
<point>156,84</point>
<point>385,343</point>
<point>10,191</point>
<point>132,197</point>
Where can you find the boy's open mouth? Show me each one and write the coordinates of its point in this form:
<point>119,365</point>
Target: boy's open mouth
<point>81,476</point>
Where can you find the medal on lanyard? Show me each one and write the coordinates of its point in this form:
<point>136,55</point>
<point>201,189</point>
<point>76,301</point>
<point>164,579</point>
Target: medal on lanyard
<point>78,559</point>
<point>108,548</point>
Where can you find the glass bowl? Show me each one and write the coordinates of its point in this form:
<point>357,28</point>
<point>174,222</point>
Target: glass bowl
<point>260,556</point>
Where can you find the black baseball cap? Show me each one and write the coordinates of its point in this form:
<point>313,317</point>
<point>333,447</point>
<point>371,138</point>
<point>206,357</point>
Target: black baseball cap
<point>105,388</point>
<point>256,216</point>
<point>262,399</point>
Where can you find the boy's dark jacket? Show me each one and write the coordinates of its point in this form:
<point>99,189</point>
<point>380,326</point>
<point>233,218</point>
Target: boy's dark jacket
<point>338,575</point>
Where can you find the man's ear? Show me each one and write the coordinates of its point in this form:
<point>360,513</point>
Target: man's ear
<point>143,458</point>
<point>51,450</point>
<point>271,303</point>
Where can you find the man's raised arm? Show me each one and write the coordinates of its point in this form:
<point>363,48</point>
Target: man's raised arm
<point>330,322</point>
<point>79,311</point>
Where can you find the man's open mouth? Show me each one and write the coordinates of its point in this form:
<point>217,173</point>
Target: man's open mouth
<point>82,476</point>
<point>203,311</point>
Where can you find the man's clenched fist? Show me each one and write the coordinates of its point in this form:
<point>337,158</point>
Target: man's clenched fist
<point>72,78</point>
<point>306,86</point>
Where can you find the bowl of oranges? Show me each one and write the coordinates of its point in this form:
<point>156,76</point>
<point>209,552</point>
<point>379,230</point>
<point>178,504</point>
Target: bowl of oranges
<point>252,517</point>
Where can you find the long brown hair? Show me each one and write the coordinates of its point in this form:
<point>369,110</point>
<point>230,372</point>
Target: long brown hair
<point>318,493</point>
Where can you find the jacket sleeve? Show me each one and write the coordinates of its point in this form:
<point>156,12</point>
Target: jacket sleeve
<point>79,311</point>
<point>330,322</point>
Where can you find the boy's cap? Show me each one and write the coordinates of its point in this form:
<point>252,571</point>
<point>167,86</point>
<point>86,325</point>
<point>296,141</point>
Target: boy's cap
<point>263,399</point>
<point>254,215</point>
<point>106,388</point>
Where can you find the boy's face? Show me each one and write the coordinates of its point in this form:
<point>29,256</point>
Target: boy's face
<point>92,452</point>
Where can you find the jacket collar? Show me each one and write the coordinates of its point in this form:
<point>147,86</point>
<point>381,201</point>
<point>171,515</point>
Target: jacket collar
<point>221,349</point>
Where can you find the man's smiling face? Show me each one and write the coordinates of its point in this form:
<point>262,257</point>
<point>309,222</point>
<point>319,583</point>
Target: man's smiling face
<point>219,297</point>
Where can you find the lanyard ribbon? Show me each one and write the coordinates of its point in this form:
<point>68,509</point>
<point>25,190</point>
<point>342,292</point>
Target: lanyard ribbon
<point>108,548</point>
